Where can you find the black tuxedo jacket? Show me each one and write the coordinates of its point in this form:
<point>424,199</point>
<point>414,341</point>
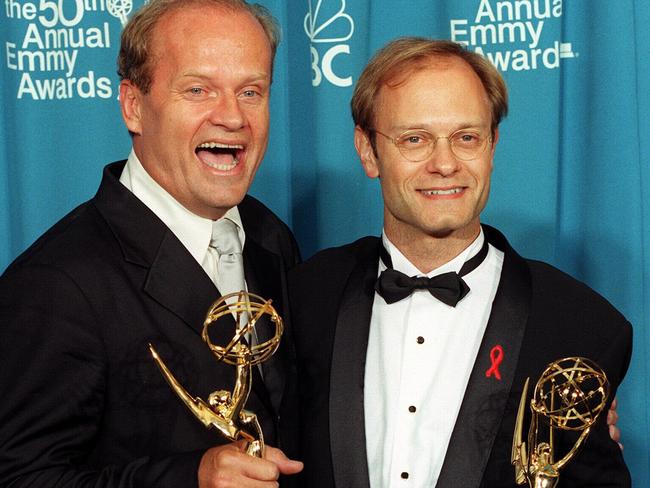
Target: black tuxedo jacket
<point>81,401</point>
<point>539,315</point>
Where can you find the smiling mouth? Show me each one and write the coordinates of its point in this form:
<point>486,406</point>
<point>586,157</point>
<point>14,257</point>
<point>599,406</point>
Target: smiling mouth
<point>450,191</point>
<point>219,156</point>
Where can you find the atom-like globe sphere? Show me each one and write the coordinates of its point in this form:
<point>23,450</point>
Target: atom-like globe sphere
<point>246,309</point>
<point>571,393</point>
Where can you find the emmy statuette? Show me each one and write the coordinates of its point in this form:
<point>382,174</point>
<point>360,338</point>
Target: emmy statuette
<point>224,409</point>
<point>569,395</point>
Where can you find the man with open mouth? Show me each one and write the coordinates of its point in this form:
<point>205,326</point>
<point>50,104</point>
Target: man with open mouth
<point>83,402</point>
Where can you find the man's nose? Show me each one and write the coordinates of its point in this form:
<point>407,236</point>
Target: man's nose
<point>226,112</point>
<point>442,159</point>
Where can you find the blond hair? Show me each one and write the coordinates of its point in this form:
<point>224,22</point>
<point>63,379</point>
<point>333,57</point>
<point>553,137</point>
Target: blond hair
<point>406,54</point>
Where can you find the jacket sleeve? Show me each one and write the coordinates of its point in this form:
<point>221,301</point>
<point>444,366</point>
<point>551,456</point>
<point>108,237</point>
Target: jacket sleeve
<point>600,463</point>
<point>53,369</point>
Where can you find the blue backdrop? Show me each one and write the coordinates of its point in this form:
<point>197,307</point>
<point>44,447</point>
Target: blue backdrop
<point>571,183</point>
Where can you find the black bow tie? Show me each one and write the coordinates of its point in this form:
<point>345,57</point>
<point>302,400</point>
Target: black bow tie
<point>449,288</point>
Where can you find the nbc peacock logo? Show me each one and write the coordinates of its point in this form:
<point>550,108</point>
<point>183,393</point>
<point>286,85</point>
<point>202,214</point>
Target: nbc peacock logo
<point>328,27</point>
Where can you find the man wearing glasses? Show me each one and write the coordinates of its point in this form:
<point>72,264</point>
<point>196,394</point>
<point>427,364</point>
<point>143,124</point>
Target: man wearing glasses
<point>413,348</point>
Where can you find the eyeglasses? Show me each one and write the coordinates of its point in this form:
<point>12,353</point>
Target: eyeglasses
<point>417,145</point>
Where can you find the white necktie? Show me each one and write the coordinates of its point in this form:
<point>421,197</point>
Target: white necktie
<point>225,242</point>
<point>225,248</point>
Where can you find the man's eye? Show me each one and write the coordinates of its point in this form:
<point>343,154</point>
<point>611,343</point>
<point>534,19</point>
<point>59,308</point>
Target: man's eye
<point>467,138</point>
<point>413,140</point>
<point>195,90</point>
<point>250,93</point>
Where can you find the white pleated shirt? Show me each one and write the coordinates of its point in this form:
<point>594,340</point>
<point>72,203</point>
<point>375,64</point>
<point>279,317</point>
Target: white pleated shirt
<point>420,356</point>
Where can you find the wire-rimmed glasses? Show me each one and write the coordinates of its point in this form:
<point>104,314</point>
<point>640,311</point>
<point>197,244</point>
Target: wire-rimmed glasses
<point>418,144</point>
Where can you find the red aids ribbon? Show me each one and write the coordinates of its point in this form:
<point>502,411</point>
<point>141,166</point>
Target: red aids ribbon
<point>496,356</point>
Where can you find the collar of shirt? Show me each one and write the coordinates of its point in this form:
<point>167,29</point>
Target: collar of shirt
<point>193,231</point>
<point>402,264</point>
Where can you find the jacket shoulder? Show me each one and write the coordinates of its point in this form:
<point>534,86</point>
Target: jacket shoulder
<point>72,237</point>
<point>330,268</point>
<point>251,208</point>
<point>557,288</point>
<point>579,318</point>
<point>340,258</point>
<point>268,230</point>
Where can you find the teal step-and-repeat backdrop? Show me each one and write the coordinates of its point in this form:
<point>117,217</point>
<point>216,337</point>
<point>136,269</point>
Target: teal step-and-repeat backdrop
<point>571,183</point>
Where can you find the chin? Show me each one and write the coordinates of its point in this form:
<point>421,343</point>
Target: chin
<point>446,229</point>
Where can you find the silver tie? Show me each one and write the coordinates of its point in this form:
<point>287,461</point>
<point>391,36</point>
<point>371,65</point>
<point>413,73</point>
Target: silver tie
<point>229,277</point>
<point>230,264</point>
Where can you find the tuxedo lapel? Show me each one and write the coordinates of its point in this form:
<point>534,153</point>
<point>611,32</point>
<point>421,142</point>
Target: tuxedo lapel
<point>486,395</point>
<point>347,427</point>
<point>188,294</point>
<point>262,270</point>
<point>263,277</point>
<point>174,279</point>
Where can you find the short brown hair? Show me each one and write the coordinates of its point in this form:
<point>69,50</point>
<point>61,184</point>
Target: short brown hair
<point>410,53</point>
<point>134,60</point>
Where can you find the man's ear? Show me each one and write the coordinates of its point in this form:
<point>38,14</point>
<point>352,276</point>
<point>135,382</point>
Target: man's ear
<point>366,152</point>
<point>130,103</point>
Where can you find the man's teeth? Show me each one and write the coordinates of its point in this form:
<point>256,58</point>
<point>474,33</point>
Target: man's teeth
<point>223,167</point>
<point>218,145</point>
<point>224,149</point>
<point>442,192</point>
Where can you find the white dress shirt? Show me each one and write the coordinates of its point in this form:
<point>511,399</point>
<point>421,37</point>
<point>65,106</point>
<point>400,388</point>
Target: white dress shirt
<point>420,356</point>
<point>193,231</point>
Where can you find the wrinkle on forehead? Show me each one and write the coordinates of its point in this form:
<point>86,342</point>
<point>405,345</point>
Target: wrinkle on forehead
<point>400,74</point>
<point>435,66</point>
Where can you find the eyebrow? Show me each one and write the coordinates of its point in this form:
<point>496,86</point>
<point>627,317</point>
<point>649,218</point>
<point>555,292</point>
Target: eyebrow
<point>252,79</point>
<point>457,127</point>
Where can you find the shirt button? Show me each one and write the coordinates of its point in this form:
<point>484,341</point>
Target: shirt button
<point>412,409</point>
<point>420,340</point>
<point>404,475</point>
